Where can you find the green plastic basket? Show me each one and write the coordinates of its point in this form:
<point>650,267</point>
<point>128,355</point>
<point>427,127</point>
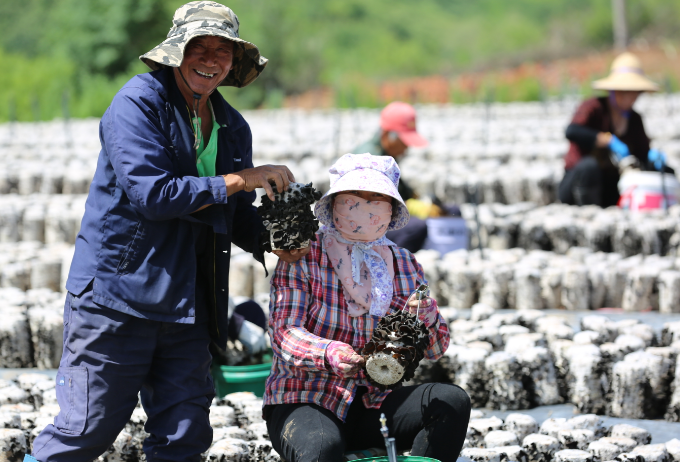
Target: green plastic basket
<point>399,458</point>
<point>230,379</point>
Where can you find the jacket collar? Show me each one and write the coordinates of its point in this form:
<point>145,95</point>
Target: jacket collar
<point>222,116</point>
<point>163,81</point>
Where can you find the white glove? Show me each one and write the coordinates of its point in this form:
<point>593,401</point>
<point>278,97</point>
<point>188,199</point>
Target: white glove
<point>253,338</point>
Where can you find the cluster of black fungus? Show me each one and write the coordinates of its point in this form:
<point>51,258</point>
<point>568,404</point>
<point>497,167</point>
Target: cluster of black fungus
<point>289,219</point>
<point>398,344</point>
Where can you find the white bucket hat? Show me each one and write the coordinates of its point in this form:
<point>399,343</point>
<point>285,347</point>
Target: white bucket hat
<point>364,172</point>
<point>626,75</point>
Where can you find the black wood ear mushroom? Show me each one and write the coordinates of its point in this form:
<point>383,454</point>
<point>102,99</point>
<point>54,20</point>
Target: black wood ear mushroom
<point>396,348</point>
<point>289,221</point>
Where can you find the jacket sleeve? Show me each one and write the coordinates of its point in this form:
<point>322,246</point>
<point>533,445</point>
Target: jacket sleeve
<point>584,136</point>
<point>248,224</point>
<point>586,123</point>
<point>141,155</point>
<point>439,339</point>
<point>290,340</point>
<point>248,227</point>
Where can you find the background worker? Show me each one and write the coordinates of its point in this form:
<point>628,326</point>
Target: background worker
<point>605,134</point>
<point>148,285</point>
<point>396,134</point>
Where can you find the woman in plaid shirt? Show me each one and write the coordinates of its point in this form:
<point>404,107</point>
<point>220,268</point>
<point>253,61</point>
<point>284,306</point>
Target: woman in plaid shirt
<point>318,401</point>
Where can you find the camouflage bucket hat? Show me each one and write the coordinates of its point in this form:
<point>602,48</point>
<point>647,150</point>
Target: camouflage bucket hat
<point>197,19</point>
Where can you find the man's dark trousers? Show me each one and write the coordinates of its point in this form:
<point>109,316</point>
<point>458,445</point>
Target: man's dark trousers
<point>108,358</point>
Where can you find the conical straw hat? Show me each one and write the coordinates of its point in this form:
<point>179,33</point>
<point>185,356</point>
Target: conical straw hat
<point>626,75</point>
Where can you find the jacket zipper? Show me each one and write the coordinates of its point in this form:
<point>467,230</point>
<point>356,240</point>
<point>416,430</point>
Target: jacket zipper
<point>217,326</point>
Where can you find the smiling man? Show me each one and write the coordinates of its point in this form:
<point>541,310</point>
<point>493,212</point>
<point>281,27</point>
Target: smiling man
<point>148,285</point>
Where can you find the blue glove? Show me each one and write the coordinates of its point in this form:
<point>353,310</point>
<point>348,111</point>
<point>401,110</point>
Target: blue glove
<point>657,157</point>
<point>619,148</point>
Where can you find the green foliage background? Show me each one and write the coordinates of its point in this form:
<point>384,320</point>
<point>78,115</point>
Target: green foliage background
<point>61,57</point>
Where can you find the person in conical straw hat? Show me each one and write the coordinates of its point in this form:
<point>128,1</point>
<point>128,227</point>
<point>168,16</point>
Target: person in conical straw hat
<point>149,282</point>
<point>605,134</point>
<point>626,75</point>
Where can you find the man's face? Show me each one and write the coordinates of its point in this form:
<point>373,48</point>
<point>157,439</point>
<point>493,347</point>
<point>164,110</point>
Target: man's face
<point>207,61</point>
<point>392,144</point>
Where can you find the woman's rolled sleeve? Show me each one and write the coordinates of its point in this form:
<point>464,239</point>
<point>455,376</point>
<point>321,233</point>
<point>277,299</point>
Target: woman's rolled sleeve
<point>439,339</point>
<point>290,298</point>
<point>439,332</point>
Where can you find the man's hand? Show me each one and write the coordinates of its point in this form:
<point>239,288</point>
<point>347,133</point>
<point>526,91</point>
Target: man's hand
<point>259,177</point>
<point>291,256</point>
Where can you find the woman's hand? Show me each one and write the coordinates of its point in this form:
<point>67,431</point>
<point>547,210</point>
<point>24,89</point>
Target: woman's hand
<point>291,256</point>
<point>428,312</point>
<point>343,360</point>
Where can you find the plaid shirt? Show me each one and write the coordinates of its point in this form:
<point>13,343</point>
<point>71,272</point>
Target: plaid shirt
<point>308,311</point>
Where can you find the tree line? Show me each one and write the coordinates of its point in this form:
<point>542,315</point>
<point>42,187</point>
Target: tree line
<point>67,58</point>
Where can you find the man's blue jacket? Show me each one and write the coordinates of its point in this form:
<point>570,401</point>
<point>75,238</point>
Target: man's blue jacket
<point>136,244</point>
